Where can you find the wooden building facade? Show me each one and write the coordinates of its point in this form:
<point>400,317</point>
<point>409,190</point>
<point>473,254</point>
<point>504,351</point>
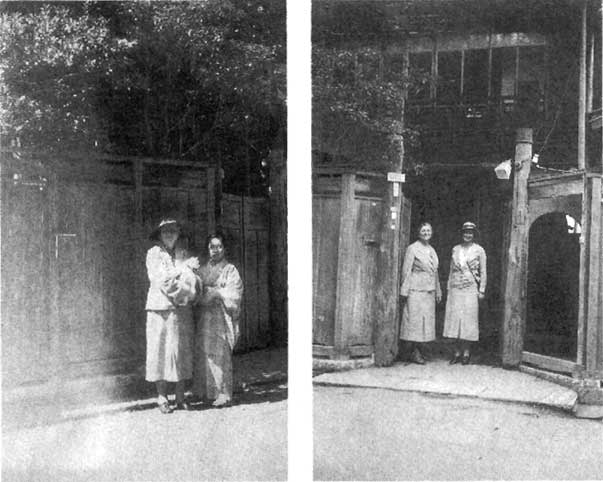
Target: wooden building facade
<point>507,81</point>
<point>74,239</point>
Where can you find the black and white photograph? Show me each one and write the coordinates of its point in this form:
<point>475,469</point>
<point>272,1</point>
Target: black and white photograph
<point>325,240</point>
<point>144,240</point>
<point>457,272</point>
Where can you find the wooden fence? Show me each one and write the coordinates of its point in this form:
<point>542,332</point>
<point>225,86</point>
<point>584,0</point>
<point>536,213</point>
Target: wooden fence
<point>74,238</point>
<point>246,223</point>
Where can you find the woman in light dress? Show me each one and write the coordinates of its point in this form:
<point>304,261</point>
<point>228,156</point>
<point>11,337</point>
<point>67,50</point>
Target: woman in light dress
<point>466,287</point>
<point>217,326</point>
<point>169,327</point>
<point>421,290</point>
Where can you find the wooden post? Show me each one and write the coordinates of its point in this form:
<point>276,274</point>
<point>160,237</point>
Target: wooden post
<point>278,247</point>
<point>395,218</point>
<point>591,74</point>
<point>345,265</point>
<point>593,320</point>
<point>583,273</point>
<point>582,93</point>
<point>517,256</point>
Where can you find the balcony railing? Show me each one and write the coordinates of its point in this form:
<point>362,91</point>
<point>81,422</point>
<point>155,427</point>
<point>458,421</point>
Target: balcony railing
<point>484,132</point>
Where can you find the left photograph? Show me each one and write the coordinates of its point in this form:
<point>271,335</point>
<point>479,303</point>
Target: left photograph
<point>144,240</point>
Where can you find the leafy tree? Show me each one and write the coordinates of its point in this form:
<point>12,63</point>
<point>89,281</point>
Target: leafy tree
<point>359,88</point>
<point>358,105</point>
<point>197,80</point>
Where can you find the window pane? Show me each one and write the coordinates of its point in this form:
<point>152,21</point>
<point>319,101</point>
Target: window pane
<point>530,88</point>
<point>449,77</point>
<point>503,72</point>
<point>475,87</point>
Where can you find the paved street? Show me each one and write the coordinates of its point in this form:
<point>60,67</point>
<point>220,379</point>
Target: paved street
<point>245,442</point>
<point>379,434</point>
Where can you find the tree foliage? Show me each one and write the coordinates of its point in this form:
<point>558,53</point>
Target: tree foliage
<point>358,105</point>
<point>196,80</point>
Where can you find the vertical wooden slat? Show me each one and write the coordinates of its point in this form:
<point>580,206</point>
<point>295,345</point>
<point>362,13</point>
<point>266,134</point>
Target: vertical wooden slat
<point>56,331</point>
<point>278,247</point>
<point>434,71</point>
<point>516,86</point>
<point>593,319</point>
<point>591,74</point>
<point>583,276</point>
<point>326,220</point>
<point>345,263</point>
<point>582,92</point>
<point>489,65</point>
<point>516,279</point>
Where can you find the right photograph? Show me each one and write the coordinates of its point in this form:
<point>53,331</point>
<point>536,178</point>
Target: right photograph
<point>457,239</point>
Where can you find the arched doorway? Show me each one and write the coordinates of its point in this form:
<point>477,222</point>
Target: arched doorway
<point>552,288</point>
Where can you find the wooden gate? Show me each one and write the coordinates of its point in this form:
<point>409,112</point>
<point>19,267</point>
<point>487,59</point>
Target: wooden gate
<point>74,240</point>
<point>246,224</point>
<point>346,239</point>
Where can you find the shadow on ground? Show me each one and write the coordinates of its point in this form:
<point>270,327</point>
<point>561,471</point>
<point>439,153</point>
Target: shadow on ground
<point>259,376</point>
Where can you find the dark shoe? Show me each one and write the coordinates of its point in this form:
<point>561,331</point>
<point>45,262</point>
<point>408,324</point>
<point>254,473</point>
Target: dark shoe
<point>183,406</point>
<point>466,359</point>
<point>417,358</point>
<point>165,408</point>
<point>455,359</point>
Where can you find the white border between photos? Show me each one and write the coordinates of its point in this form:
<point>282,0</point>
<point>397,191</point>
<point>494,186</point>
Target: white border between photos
<point>299,203</point>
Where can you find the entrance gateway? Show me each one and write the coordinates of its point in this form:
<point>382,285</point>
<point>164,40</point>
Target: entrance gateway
<point>537,310</point>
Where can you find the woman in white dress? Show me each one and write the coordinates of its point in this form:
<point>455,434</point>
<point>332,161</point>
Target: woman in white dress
<point>169,329</point>
<point>466,287</point>
<point>421,290</point>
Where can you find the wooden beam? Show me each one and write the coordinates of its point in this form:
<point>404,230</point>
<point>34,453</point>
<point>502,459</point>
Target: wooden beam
<point>394,221</point>
<point>593,319</point>
<point>323,350</point>
<point>591,74</point>
<point>548,362</point>
<point>582,93</point>
<point>361,350</point>
<point>345,265</point>
<point>516,277</point>
<point>455,42</point>
<point>583,276</point>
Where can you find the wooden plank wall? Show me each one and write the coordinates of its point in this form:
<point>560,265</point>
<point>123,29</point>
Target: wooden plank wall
<point>26,340</point>
<point>74,287</point>
<point>278,247</point>
<point>325,251</point>
<point>101,312</point>
<point>246,224</point>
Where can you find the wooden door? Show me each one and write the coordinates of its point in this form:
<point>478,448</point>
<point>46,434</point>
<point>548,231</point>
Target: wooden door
<point>366,249</point>
<point>26,300</point>
<point>101,305</point>
<point>246,222</point>
<point>326,212</point>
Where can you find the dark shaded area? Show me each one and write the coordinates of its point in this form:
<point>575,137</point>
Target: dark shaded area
<point>446,198</point>
<point>553,280</point>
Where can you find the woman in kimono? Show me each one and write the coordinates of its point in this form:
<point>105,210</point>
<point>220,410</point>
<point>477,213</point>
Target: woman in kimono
<point>217,326</point>
<point>169,327</point>
<point>421,288</point>
<point>466,287</point>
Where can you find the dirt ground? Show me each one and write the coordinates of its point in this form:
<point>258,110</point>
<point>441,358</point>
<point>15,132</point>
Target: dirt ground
<point>376,434</point>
